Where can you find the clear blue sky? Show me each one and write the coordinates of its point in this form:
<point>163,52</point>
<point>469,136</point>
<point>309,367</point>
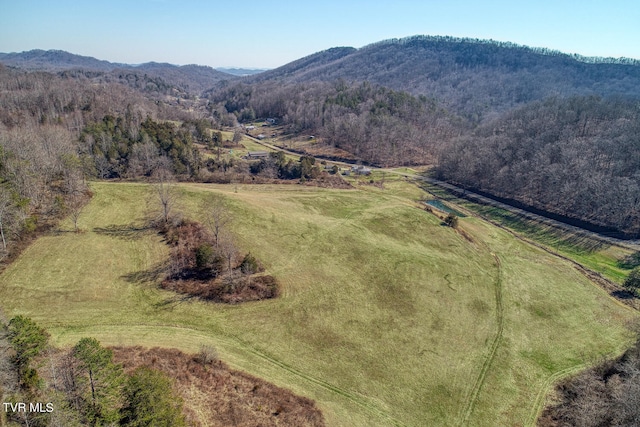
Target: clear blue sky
<point>267,34</point>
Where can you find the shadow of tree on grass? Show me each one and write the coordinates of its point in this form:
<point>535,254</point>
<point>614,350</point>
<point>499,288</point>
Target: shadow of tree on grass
<point>622,294</point>
<point>126,232</point>
<point>152,275</point>
<point>172,301</point>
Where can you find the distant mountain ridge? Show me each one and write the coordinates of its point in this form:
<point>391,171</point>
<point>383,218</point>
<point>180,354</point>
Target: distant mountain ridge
<point>242,71</point>
<point>191,78</point>
<point>55,60</point>
<point>471,77</point>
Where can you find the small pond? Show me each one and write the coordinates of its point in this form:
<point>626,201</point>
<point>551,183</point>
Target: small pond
<point>442,207</point>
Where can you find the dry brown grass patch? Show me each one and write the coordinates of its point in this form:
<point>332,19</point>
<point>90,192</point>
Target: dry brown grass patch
<point>230,290</point>
<point>216,395</point>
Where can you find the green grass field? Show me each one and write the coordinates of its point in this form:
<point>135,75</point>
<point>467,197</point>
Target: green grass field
<point>386,316</point>
<point>594,254</point>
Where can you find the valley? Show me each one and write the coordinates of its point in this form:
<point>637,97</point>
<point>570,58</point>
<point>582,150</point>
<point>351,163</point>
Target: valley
<point>144,205</point>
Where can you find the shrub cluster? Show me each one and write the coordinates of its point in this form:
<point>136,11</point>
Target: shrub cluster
<point>200,268</point>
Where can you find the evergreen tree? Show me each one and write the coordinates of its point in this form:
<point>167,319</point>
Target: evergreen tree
<point>632,283</point>
<point>28,340</point>
<point>100,381</point>
<point>150,401</point>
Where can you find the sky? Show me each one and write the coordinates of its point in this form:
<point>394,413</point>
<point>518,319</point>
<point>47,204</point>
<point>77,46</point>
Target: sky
<point>268,34</point>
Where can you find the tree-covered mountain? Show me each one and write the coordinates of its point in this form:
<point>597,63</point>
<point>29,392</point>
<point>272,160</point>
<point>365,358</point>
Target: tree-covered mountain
<point>187,79</point>
<point>307,68</point>
<point>193,79</point>
<point>472,77</point>
<point>54,60</point>
<point>377,125</point>
<point>577,157</point>
<point>555,131</point>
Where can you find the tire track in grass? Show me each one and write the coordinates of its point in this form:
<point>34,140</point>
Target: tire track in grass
<point>594,278</point>
<point>538,402</point>
<point>477,386</point>
<point>360,401</point>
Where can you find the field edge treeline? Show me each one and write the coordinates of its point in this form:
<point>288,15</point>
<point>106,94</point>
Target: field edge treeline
<point>89,384</point>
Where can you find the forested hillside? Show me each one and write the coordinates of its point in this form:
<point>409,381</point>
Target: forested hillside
<point>578,157</point>
<point>152,77</point>
<point>54,60</point>
<point>469,76</point>
<point>56,131</point>
<point>554,131</point>
<point>573,156</point>
<point>378,125</point>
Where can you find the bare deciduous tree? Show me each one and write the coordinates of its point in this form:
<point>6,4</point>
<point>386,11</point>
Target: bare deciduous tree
<point>218,217</point>
<point>75,206</point>
<point>165,189</point>
<point>6,208</point>
<point>229,249</point>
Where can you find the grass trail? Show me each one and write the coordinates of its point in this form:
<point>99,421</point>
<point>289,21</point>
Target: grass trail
<point>477,386</point>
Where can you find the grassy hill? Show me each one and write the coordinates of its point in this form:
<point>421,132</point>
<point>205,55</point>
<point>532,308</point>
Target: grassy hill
<point>386,316</point>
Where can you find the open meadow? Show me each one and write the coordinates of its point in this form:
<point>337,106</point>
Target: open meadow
<point>386,317</point>
<point>596,254</point>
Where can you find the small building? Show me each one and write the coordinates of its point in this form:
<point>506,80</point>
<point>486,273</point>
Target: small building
<point>254,155</point>
<point>261,136</point>
<point>361,170</point>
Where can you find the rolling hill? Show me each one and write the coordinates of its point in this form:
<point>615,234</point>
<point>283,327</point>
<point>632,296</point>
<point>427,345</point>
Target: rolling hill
<point>386,318</point>
<point>470,76</point>
<point>192,79</point>
<point>54,60</point>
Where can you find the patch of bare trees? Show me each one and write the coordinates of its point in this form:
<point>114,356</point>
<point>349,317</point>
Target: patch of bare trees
<point>607,395</point>
<point>166,192</point>
<point>41,178</point>
<point>577,157</point>
<point>206,262</point>
<point>376,124</point>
